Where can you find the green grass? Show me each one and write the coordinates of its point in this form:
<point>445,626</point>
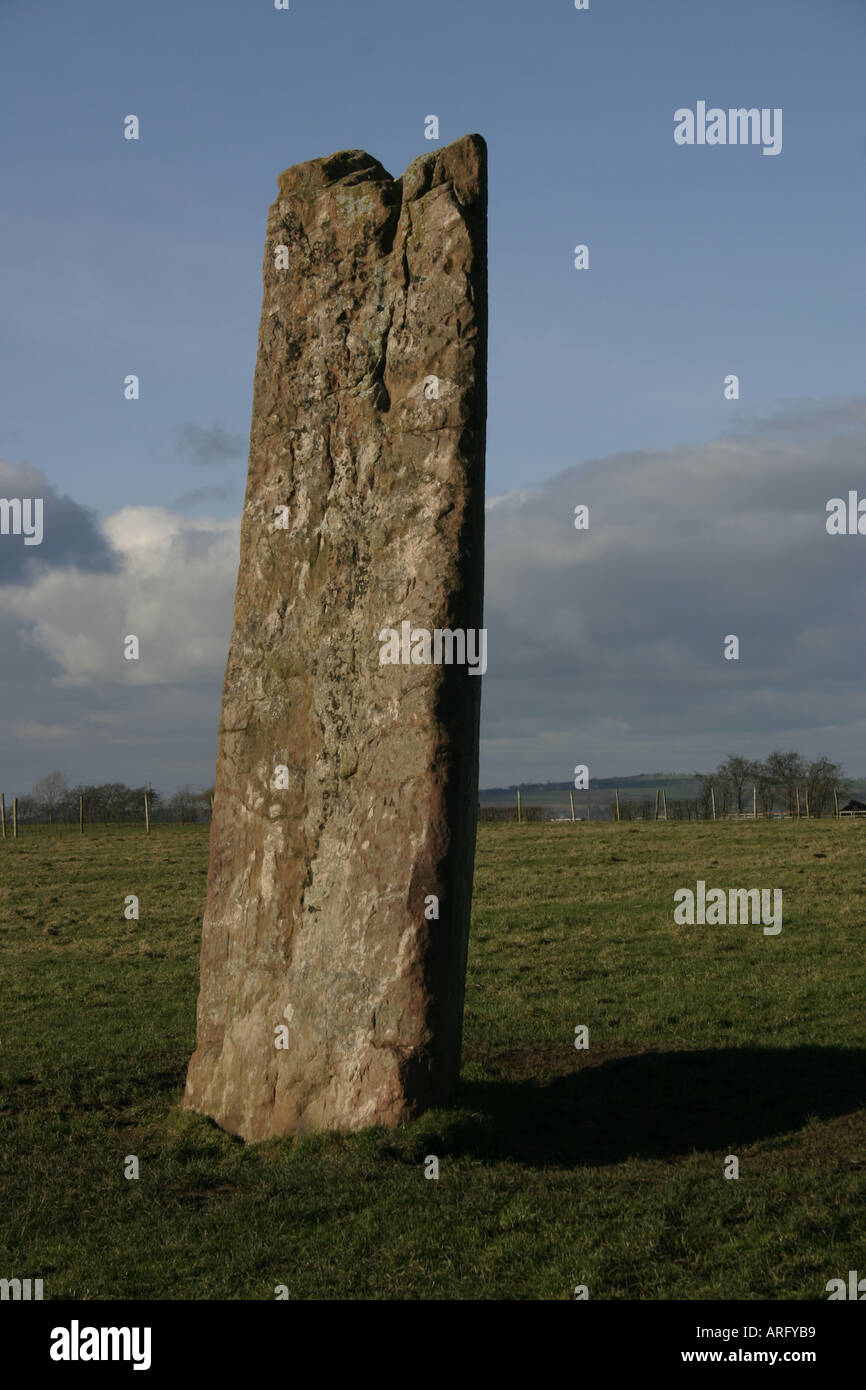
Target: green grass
<point>558,1167</point>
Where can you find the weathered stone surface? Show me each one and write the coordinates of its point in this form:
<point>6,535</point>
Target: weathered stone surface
<point>315,916</point>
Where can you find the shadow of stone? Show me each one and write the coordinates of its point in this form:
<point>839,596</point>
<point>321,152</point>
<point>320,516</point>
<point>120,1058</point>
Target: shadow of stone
<point>658,1104</point>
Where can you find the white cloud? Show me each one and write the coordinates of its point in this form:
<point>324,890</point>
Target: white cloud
<point>605,646</point>
<point>173,589</point>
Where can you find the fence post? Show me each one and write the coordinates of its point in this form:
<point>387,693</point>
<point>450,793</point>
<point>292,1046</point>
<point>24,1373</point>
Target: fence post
<point>665,802</point>
<point>807,802</point>
<point>81,815</point>
<point>616,794</point>
<point>713,800</point>
<point>588,802</point>
<point>798,803</point>
<point>146,814</point>
<point>656,816</point>
<point>518,806</point>
<point>571,798</point>
<point>15,818</point>
<point>3,812</point>
<point>754,801</point>
<point>836,802</point>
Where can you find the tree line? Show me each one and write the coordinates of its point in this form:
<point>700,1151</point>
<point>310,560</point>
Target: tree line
<point>782,782</point>
<point>53,801</point>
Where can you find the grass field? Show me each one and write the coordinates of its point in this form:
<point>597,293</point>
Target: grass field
<point>558,1167</point>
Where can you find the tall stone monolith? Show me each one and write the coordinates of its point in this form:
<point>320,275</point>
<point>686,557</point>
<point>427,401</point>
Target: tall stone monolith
<point>333,951</point>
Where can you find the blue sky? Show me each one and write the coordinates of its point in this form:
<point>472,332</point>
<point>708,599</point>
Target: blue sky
<point>146,257</point>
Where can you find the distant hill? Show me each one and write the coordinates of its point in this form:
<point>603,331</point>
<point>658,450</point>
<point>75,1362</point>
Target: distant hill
<point>555,795</point>
<point>641,786</point>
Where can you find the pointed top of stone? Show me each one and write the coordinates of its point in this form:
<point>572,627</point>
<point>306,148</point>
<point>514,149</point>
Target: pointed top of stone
<point>462,163</point>
<point>346,166</point>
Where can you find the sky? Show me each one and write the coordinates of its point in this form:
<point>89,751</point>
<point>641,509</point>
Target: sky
<point>606,385</point>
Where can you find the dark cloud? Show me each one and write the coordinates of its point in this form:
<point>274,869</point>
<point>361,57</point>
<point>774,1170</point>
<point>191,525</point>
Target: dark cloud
<point>219,492</point>
<point>802,419</point>
<point>210,447</point>
<point>71,534</point>
<point>606,646</point>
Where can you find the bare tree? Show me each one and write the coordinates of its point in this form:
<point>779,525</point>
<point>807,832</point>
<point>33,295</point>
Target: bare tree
<point>705,800</point>
<point>786,770</point>
<point>204,798</point>
<point>49,792</point>
<point>187,804</point>
<point>823,778</point>
<point>733,773</point>
<point>765,786</point>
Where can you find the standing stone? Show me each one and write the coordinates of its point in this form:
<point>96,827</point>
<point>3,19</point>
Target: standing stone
<point>333,952</point>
